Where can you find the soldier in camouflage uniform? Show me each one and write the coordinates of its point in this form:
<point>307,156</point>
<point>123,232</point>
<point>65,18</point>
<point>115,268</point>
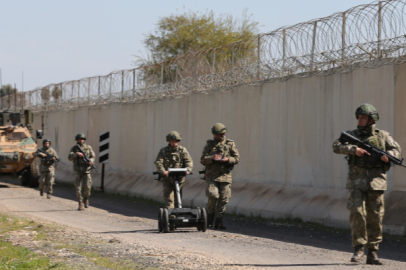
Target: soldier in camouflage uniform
<point>172,156</point>
<point>82,170</point>
<point>367,183</point>
<point>47,168</point>
<point>219,156</point>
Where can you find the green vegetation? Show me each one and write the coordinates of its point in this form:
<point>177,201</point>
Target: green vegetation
<point>178,34</point>
<point>7,89</point>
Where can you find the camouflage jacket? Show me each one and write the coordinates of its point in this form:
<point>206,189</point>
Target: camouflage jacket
<point>170,157</point>
<point>364,177</point>
<point>47,165</point>
<point>217,170</point>
<point>78,164</point>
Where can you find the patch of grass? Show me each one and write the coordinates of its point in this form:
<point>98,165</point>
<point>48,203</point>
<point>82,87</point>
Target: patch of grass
<point>13,257</point>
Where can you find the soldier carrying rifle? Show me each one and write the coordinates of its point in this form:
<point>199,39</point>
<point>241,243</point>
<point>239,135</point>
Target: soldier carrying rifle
<point>367,179</point>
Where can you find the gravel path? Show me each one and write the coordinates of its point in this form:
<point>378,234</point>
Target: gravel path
<point>247,244</point>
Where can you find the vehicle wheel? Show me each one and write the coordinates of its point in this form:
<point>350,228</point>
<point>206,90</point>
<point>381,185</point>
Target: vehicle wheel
<point>204,220</point>
<point>160,214</point>
<point>34,174</point>
<point>25,178</point>
<point>199,225</point>
<point>165,220</point>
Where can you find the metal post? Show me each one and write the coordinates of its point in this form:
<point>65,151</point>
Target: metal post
<point>284,51</point>
<point>259,58</point>
<point>88,93</point>
<point>111,76</point>
<point>122,84</point>
<point>15,97</point>
<point>102,178</point>
<point>379,28</point>
<point>78,91</point>
<point>98,90</point>
<point>232,62</point>
<point>313,45</point>
<point>133,82</point>
<point>60,97</point>
<point>343,38</point>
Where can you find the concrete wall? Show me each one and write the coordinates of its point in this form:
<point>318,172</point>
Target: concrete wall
<point>284,132</point>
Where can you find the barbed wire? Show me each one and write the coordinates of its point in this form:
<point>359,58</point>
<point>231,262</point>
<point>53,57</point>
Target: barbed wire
<point>366,36</point>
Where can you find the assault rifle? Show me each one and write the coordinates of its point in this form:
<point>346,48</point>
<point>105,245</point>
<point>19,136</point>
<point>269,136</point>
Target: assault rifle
<point>204,174</point>
<point>375,152</point>
<point>85,158</point>
<point>49,156</point>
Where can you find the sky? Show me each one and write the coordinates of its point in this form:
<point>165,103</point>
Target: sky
<point>55,41</point>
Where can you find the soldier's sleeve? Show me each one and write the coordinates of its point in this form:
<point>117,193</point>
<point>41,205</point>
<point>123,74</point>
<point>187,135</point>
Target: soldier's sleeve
<point>344,148</point>
<point>187,160</point>
<point>159,161</point>
<point>92,154</point>
<point>206,157</point>
<point>234,155</point>
<point>392,147</point>
<point>72,154</point>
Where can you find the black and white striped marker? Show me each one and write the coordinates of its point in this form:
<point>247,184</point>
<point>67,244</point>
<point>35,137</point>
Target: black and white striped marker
<point>104,147</point>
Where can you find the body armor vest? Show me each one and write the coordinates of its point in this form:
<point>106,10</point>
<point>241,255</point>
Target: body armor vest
<point>369,161</point>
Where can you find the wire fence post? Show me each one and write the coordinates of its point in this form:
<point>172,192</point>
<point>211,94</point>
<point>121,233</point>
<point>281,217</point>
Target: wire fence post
<point>162,74</point>
<point>284,52</point>
<point>313,46</point>
<point>78,91</point>
<point>88,93</point>
<point>343,38</point>
<point>111,75</point>
<point>379,29</point>
<point>98,88</point>
<point>232,62</point>
<point>259,59</point>
<point>122,84</point>
<point>133,82</point>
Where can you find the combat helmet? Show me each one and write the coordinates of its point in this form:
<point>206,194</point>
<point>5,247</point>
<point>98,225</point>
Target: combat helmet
<point>219,128</point>
<point>367,109</point>
<point>80,136</point>
<point>46,140</point>
<point>173,135</point>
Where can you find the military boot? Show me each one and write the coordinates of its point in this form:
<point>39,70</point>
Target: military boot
<point>219,224</point>
<point>41,192</point>
<point>358,254</point>
<point>49,196</point>
<point>80,206</point>
<point>372,257</point>
<point>210,219</point>
<point>86,201</point>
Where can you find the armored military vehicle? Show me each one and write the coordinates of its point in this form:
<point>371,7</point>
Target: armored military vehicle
<point>17,147</point>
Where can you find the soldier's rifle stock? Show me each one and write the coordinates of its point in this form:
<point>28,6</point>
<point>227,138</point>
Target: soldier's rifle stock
<point>85,158</point>
<point>48,156</point>
<point>373,150</point>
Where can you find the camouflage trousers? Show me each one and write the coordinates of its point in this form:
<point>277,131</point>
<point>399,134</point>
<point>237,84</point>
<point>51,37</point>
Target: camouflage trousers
<point>366,213</point>
<point>83,180</point>
<point>46,179</point>
<point>169,194</point>
<point>219,193</point>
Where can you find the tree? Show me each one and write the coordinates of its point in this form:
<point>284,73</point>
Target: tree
<point>189,32</point>
<point>7,89</point>
<point>45,94</point>
<point>56,92</point>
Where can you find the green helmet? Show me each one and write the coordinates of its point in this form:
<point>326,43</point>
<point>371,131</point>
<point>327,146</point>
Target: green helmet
<point>173,135</point>
<point>80,136</point>
<point>367,109</point>
<point>219,128</point>
<point>46,140</point>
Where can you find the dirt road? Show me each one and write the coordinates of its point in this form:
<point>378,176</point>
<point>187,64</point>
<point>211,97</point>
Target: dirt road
<point>247,244</point>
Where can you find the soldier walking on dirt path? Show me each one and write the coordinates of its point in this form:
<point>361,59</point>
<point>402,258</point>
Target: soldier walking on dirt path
<point>367,182</point>
<point>219,156</point>
<point>82,170</point>
<point>172,156</point>
<point>47,168</point>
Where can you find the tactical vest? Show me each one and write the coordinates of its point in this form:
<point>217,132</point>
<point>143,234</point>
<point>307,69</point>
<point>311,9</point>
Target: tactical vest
<point>222,149</point>
<point>366,160</point>
<point>47,162</point>
<point>80,161</point>
<point>173,158</point>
